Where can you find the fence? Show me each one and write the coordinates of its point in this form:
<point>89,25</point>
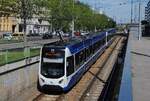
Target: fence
<point>8,56</point>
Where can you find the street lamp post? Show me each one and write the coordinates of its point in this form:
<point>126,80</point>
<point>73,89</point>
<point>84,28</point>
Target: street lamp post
<point>139,29</point>
<point>73,21</point>
<point>24,17</point>
<point>131,11</point>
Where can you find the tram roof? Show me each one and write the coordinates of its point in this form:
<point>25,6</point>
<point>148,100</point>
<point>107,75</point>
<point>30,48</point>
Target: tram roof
<point>74,40</point>
<point>77,43</point>
<point>66,42</point>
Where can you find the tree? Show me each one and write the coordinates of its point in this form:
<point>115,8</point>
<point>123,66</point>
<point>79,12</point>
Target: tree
<point>7,7</point>
<point>60,13</point>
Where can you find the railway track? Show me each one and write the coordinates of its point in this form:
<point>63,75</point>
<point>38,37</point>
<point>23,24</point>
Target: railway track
<point>44,97</point>
<point>93,81</point>
<point>100,80</point>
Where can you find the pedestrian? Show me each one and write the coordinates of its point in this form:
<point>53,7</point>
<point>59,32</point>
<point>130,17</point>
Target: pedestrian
<point>125,31</point>
<point>128,30</point>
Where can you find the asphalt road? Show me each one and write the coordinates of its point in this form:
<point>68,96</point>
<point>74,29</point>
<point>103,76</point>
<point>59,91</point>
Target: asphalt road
<point>36,42</point>
<point>34,38</point>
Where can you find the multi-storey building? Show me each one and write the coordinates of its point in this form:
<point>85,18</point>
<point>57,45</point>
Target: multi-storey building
<point>13,24</point>
<point>7,24</point>
<point>33,26</point>
<point>147,12</point>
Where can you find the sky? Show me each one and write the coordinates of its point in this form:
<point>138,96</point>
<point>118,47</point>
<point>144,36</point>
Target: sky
<point>119,10</point>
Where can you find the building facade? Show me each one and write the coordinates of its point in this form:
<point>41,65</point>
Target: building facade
<point>147,12</point>
<point>14,25</point>
<point>7,24</point>
<point>33,26</point>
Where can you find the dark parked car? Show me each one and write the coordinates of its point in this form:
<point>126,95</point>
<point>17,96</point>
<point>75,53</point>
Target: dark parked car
<point>77,33</point>
<point>47,36</point>
<point>33,34</point>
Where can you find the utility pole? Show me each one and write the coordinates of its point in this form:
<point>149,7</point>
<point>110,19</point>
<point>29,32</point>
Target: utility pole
<point>135,12</point>
<point>131,11</point>
<point>73,20</point>
<point>24,17</point>
<point>139,30</point>
<point>95,29</point>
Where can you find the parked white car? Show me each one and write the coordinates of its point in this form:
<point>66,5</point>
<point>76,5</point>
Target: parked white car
<point>54,33</point>
<point>7,36</point>
<point>84,33</point>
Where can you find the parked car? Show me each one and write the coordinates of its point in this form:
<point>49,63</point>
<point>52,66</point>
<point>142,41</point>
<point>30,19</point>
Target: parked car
<point>67,34</point>
<point>34,34</point>
<point>54,33</point>
<point>59,32</point>
<point>77,33</point>
<point>84,33</point>
<point>7,36</point>
<point>47,35</point>
<point>18,36</point>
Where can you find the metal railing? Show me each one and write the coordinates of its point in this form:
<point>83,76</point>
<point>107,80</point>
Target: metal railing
<point>19,55</point>
<point>8,56</point>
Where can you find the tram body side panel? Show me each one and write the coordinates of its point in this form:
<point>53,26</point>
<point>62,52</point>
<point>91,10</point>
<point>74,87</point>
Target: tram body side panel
<point>74,78</point>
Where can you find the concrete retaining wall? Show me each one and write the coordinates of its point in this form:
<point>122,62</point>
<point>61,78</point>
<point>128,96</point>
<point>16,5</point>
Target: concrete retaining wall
<point>15,65</point>
<point>13,83</point>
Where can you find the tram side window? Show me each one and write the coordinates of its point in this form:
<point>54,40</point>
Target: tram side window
<point>103,41</point>
<point>70,65</point>
<point>99,44</point>
<point>80,58</point>
<point>96,46</point>
<point>109,37</point>
<point>88,53</point>
<point>91,50</point>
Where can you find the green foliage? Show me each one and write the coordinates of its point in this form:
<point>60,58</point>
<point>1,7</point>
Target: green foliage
<point>7,7</point>
<point>60,13</point>
<point>19,8</point>
<point>64,11</point>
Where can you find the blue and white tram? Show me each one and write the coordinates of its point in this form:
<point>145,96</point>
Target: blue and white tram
<point>62,64</point>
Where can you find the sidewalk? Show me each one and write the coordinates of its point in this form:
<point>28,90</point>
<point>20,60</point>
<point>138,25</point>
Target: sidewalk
<point>140,59</point>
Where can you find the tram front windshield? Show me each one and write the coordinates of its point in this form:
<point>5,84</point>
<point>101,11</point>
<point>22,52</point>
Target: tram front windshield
<point>52,64</point>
